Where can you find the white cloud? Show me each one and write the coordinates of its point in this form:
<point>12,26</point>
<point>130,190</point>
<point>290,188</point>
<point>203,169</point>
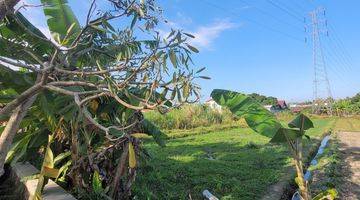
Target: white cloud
<point>205,35</point>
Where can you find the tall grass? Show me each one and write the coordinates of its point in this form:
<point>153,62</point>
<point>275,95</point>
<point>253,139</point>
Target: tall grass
<point>191,116</point>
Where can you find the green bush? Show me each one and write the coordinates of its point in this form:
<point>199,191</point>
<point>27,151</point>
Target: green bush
<point>190,116</point>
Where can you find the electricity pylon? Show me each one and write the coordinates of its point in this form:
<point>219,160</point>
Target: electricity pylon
<point>322,96</point>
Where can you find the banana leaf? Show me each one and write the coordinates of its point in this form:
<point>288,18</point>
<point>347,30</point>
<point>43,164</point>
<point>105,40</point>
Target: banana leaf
<point>257,117</point>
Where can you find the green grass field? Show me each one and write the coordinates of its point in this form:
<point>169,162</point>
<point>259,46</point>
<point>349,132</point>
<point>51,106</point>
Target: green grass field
<point>234,163</point>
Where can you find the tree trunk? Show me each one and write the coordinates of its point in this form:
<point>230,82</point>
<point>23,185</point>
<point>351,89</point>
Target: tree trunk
<point>11,128</point>
<point>6,6</point>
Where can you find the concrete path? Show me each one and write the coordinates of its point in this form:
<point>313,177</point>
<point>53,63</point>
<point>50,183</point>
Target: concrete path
<point>350,150</point>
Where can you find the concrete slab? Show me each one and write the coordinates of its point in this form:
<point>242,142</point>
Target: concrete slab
<point>52,191</point>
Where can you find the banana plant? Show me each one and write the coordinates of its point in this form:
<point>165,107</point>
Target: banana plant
<point>47,170</point>
<point>264,122</point>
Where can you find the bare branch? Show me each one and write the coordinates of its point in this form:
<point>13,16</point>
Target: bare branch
<point>72,83</point>
<point>87,73</point>
<point>93,97</point>
<point>59,90</point>
<point>18,64</point>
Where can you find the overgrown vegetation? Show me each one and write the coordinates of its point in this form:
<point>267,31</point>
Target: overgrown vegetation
<point>347,106</point>
<point>191,116</point>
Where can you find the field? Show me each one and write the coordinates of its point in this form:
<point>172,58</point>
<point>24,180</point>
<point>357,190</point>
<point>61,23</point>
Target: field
<point>347,124</point>
<point>232,163</point>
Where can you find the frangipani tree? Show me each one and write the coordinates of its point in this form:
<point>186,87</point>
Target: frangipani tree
<point>88,84</point>
<point>264,122</point>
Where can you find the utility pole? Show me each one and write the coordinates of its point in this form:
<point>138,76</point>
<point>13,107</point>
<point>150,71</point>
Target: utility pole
<point>322,96</point>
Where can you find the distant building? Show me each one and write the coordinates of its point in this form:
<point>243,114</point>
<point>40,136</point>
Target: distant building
<point>212,104</point>
<point>298,107</point>
<point>281,104</point>
<point>268,107</point>
<point>278,107</point>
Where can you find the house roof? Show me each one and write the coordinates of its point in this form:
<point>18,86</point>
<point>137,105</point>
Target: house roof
<point>282,103</point>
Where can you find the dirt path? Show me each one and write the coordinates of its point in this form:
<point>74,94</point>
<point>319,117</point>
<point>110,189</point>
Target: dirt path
<point>350,152</point>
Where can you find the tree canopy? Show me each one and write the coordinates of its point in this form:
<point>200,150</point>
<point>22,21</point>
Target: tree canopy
<point>87,86</point>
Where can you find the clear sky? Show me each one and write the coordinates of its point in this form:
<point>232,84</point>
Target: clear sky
<point>259,45</point>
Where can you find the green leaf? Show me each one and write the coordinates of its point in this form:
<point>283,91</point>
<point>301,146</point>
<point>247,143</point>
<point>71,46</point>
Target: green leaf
<point>18,81</point>
<point>173,58</point>
<point>96,183</point>
<point>134,20</point>
<point>15,36</point>
<point>205,77</point>
<point>48,109</point>
<point>257,117</point>
<point>18,149</point>
<point>200,70</point>
<point>63,169</point>
<point>150,129</point>
<point>60,18</point>
<point>116,133</point>
<point>192,48</point>
<point>285,134</point>
<point>329,194</point>
<point>301,122</point>
<point>61,157</point>
<point>189,35</point>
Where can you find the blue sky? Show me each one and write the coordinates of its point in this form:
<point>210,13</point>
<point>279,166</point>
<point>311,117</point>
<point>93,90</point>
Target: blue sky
<point>259,45</point>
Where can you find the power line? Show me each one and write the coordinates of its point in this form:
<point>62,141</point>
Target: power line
<point>334,53</point>
<point>264,26</point>
<point>337,73</point>
<point>272,16</point>
<point>340,45</point>
<point>299,6</point>
<point>286,10</point>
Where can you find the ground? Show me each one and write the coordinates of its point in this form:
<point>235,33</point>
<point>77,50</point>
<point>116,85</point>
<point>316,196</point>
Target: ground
<point>234,163</point>
<point>349,143</point>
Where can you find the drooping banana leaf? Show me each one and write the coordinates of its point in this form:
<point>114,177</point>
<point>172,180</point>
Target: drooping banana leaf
<point>17,33</point>
<point>285,134</point>
<point>61,20</point>
<point>257,117</point>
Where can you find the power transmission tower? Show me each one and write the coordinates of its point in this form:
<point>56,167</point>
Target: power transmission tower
<point>322,96</point>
